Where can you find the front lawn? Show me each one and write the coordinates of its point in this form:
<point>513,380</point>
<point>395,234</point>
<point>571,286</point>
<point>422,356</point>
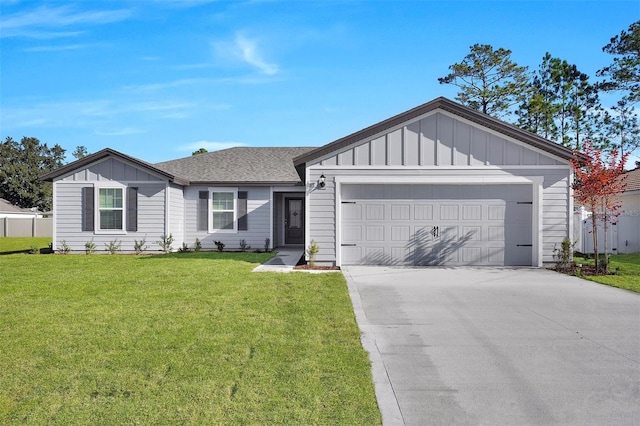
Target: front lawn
<point>22,244</point>
<point>191,338</point>
<point>628,271</point>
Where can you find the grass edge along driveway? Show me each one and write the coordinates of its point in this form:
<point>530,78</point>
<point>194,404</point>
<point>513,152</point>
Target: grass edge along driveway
<point>182,338</point>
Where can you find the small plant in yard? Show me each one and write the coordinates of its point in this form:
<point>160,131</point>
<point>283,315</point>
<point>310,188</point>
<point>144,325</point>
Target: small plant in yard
<point>166,242</point>
<point>267,245</point>
<point>563,257</point>
<point>197,246</point>
<point>34,249</point>
<point>89,247</point>
<point>113,247</point>
<point>244,246</point>
<point>139,246</point>
<point>184,248</point>
<point>219,244</point>
<point>312,251</point>
<point>64,247</point>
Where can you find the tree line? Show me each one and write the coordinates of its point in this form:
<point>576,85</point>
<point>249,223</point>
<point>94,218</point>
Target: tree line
<point>557,101</point>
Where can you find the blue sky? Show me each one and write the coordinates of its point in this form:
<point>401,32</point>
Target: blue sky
<point>159,79</point>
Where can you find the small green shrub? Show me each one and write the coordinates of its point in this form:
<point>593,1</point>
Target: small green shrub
<point>33,249</point>
<point>166,243</point>
<point>140,246</point>
<point>197,246</point>
<point>64,248</point>
<point>184,248</point>
<point>113,247</point>
<point>244,246</point>
<point>312,251</point>
<point>563,257</point>
<point>89,247</point>
<point>267,245</point>
<point>219,244</point>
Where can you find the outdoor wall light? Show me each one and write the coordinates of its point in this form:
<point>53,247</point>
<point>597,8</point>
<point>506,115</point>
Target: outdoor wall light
<point>321,181</point>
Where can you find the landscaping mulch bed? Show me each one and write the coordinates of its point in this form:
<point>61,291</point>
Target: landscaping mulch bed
<point>317,268</point>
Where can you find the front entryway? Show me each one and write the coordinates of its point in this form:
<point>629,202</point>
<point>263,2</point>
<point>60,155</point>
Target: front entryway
<point>294,220</point>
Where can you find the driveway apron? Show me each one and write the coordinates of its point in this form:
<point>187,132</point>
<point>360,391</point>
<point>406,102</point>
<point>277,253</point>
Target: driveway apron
<point>498,346</point>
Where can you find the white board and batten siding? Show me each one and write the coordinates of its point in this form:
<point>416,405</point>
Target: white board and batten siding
<point>67,199</point>
<point>442,149</point>
<point>258,216</point>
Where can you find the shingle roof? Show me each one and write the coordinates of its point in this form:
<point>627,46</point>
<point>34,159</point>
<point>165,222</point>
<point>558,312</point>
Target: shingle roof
<point>7,207</point>
<point>258,165</point>
<point>632,180</point>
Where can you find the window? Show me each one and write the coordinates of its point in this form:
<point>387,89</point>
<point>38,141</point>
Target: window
<point>110,208</point>
<point>115,207</point>
<point>223,210</point>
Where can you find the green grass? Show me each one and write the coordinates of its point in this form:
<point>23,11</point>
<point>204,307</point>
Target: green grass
<point>20,244</point>
<point>177,339</point>
<point>628,275</point>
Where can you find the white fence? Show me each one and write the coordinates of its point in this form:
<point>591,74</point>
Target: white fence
<point>623,236</point>
<point>26,227</point>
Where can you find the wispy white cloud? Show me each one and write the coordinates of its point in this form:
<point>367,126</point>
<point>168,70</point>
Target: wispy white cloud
<point>154,87</point>
<point>59,48</point>
<point>246,50</point>
<point>251,55</point>
<point>208,145</point>
<point>43,21</point>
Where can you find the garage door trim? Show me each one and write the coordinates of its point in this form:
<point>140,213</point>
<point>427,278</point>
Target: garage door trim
<point>475,179</point>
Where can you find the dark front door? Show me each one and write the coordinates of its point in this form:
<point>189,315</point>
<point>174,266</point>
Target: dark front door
<point>294,220</point>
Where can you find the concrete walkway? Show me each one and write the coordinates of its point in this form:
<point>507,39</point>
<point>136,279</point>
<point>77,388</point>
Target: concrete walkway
<point>498,346</point>
<point>283,261</point>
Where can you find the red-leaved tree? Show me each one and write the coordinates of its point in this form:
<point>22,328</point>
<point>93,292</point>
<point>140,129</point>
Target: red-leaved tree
<point>598,183</point>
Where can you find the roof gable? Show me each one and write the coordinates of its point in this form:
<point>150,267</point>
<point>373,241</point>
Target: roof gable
<point>447,107</point>
<point>103,156</point>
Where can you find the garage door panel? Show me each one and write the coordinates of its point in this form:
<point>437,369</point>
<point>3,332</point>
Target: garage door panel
<point>400,211</point>
<point>374,212</point>
<point>352,233</point>
<point>483,226</point>
<point>374,233</point>
<point>400,233</point>
<point>423,212</point>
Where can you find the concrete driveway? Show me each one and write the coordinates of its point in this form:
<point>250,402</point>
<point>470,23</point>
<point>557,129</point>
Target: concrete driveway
<point>498,346</point>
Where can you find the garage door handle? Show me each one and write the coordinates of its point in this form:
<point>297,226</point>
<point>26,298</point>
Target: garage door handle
<point>348,245</point>
<point>524,245</point>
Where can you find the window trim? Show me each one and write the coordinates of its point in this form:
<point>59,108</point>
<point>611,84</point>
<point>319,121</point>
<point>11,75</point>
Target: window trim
<point>97,209</point>
<point>234,191</point>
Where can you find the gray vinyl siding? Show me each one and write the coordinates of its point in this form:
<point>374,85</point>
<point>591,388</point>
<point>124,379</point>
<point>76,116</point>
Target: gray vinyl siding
<point>555,200</point>
<point>68,206</point>
<point>259,223</point>
<point>68,214</point>
<point>176,216</point>
<point>438,140</point>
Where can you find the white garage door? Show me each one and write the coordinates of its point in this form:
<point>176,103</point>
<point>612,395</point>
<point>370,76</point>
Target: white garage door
<point>436,225</point>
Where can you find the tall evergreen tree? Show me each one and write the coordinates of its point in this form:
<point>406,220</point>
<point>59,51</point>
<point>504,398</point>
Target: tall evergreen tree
<point>489,80</point>
<point>559,102</point>
<point>624,73</point>
<point>21,165</point>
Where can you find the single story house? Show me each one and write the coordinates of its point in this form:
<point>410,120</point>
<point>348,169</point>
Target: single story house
<point>440,184</point>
